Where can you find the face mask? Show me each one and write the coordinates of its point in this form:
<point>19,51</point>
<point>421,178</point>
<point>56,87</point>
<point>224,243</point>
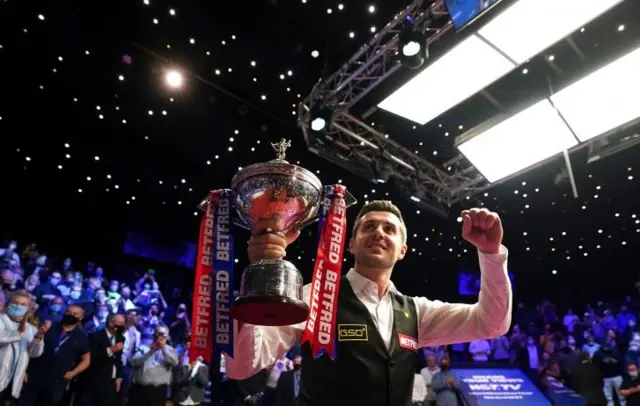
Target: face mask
<point>126,293</point>
<point>74,294</point>
<point>70,320</point>
<point>54,281</point>
<point>101,297</point>
<point>296,367</point>
<point>147,287</point>
<point>16,310</point>
<point>118,329</point>
<point>633,374</point>
<point>444,366</point>
<point>56,307</point>
<point>102,315</point>
<point>113,288</point>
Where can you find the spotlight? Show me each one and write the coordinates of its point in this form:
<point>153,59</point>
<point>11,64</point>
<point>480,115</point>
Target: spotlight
<point>412,45</point>
<point>319,119</point>
<point>174,79</point>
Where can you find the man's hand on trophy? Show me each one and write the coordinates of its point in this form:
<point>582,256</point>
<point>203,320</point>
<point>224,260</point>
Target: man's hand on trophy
<point>267,243</point>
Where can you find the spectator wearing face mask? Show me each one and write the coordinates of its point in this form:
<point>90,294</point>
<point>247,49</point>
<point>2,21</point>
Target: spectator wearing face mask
<point>101,382</point>
<point>53,312</point>
<point>591,346</point>
<point>445,385</point>
<point>114,286</point>
<point>47,291</point>
<point>98,321</point>
<point>611,365</point>
<point>288,384</point>
<point>20,341</point>
<point>180,324</point>
<point>152,371</point>
<point>66,355</point>
<point>633,352</point>
<point>630,387</point>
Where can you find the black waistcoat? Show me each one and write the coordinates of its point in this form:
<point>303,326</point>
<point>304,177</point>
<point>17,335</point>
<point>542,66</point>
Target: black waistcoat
<point>365,372</point>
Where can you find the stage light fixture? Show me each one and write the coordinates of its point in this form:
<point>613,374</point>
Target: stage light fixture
<point>320,119</point>
<point>412,45</point>
<point>381,172</point>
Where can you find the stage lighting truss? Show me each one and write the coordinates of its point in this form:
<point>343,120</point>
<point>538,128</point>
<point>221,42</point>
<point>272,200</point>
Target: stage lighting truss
<point>349,137</point>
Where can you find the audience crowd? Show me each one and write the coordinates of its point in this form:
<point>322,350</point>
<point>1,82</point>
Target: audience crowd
<point>76,336</point>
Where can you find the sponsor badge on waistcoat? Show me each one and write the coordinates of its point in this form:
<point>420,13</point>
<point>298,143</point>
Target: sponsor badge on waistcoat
<point>408,343</point>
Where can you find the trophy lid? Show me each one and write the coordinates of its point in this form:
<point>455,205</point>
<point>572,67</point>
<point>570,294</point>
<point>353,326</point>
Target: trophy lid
<point>278,166</point>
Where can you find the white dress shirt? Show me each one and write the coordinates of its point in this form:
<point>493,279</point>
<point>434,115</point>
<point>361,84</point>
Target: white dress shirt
<point>419,389</point>
<point>439,323</point>
<point>282,365</point>
<point>427,374</point>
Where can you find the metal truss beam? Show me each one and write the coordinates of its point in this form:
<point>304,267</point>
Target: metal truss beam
<point>350,137</point>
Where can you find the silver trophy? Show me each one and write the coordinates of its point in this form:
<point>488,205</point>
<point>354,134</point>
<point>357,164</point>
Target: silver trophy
<point>289,196</point>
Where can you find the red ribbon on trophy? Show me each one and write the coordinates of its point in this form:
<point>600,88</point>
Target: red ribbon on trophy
<point>323,300</point>
<point>212,327</point>
<point>201,328</point>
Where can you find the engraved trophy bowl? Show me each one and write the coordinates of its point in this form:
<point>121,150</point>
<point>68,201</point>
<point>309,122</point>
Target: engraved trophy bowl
<point>289,197</point>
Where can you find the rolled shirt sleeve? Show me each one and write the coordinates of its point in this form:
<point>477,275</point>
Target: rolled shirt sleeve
<point>258,347</point>
<point>442,323</point>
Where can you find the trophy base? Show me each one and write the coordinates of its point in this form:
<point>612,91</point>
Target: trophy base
<point>269,310</point>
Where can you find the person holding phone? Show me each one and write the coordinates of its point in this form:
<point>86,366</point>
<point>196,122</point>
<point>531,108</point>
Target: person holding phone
<point>152,370</point>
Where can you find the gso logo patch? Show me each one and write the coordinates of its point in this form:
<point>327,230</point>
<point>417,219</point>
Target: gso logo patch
<point>353,332</point>
<point>408,343</point>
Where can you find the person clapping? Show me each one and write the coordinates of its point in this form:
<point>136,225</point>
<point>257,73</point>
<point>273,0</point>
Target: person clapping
<point>152,369</point>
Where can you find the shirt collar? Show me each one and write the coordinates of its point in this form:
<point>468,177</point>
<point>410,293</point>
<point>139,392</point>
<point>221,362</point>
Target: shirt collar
<point>359,283</point>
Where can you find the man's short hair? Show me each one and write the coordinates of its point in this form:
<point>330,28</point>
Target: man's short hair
<point>19,293</point>
<point>381,205</point>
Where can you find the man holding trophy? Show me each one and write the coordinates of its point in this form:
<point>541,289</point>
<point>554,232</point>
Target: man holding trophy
<point>360,336</point>
<point>379,329</point>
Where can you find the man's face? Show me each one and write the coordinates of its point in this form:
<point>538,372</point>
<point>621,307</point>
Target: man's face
<point>117,322</point>
<point>75,311</point>
<point>55,278</point>
<point>379,241</point>
<point>21,301</point>
<point>7,276</point>
<point>297,362</point>
<point>126,292</point>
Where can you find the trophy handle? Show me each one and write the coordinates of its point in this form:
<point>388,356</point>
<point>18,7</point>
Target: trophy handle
<point>349,201</point>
